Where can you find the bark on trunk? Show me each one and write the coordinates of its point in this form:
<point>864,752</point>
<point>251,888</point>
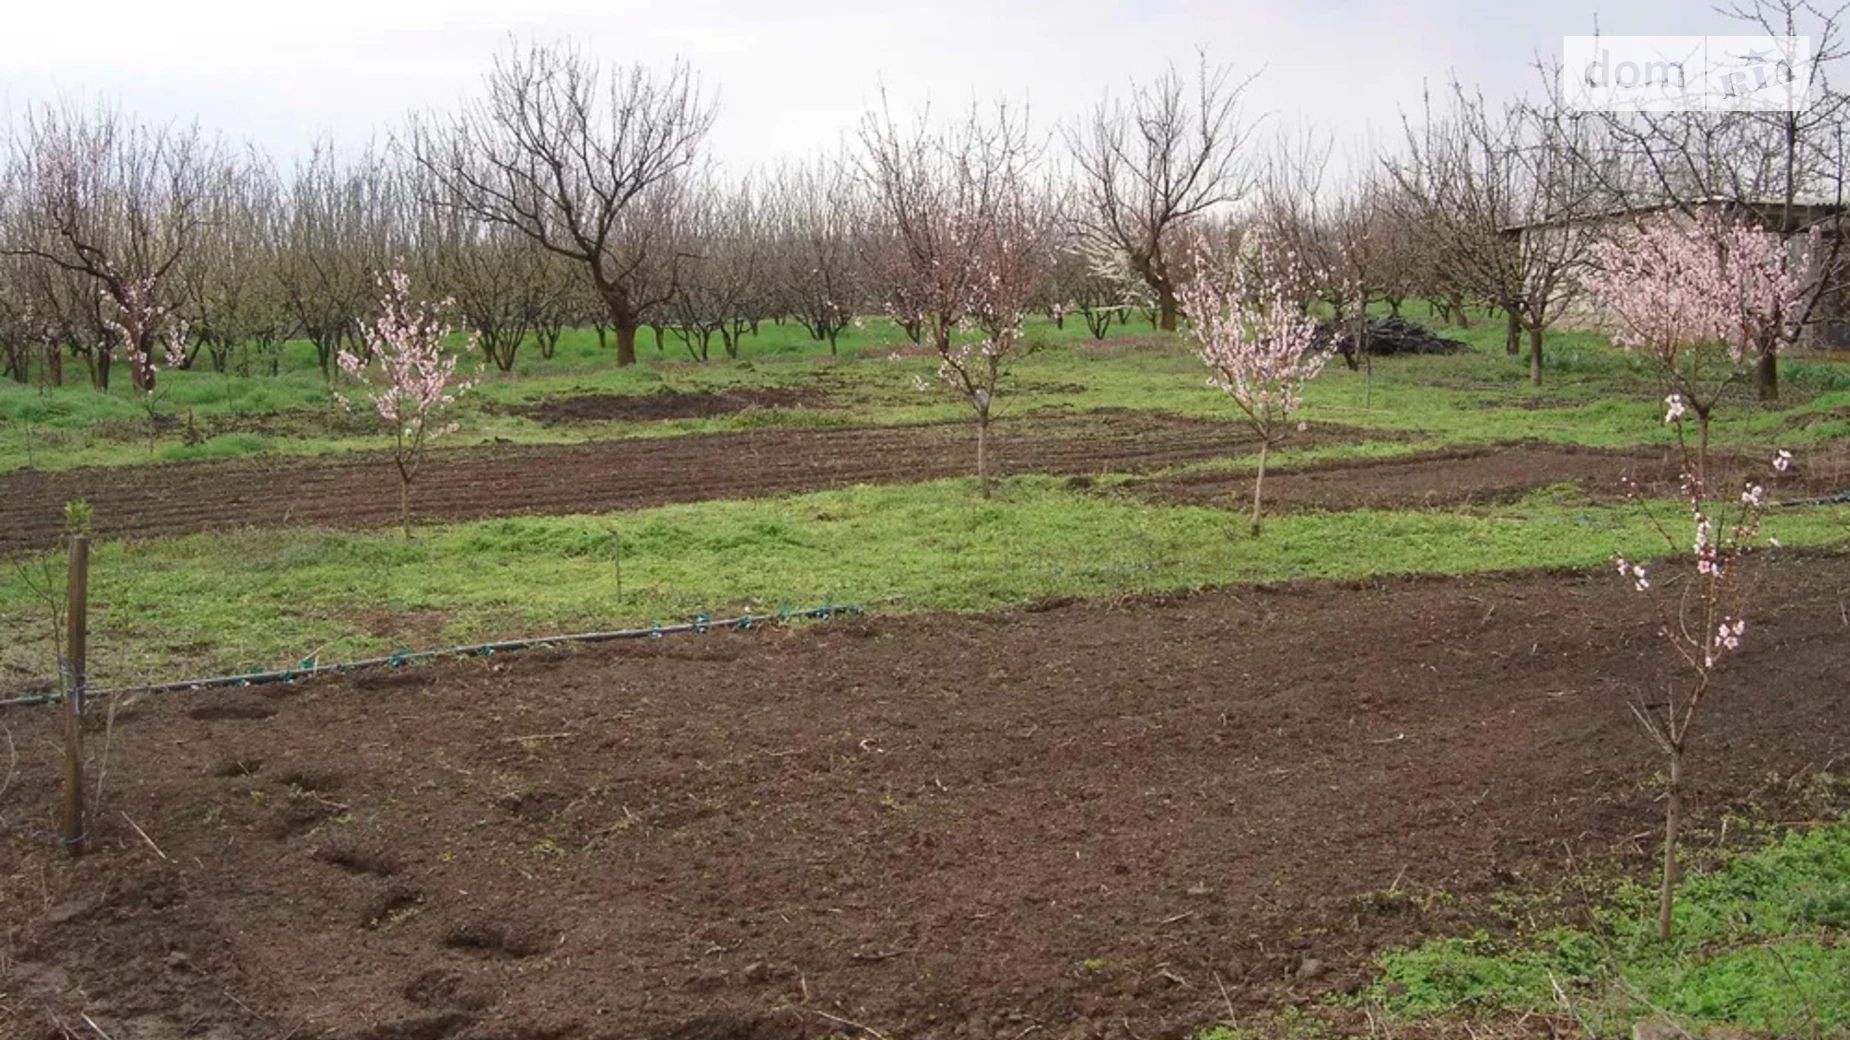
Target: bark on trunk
<point>1673,819</point>
<point>626,344</point>
<point>982,454</point>
<point>1168,310</point>
<point>1259,483</point>
<point>1535,354</point>
<point>1459,314</point>
<point>1766,375</point>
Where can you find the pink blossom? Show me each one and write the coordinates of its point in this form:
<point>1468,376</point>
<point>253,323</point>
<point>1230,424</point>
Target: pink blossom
<point>1252,328</point>
<point>411,380</point>
<point>1641,579</point>
<point>1674,408</point>
<point>1727,639</point>
<point>1675,283</point>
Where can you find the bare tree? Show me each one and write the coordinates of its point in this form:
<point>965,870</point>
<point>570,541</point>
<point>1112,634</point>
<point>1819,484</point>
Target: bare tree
<point>556,302</point>
<point>494,276</point>
<point>578,162</point>
<point>20,332</point>
<point>725,283</point>
<point>1392,268</point>
<point>116,202</point>
<point>1504,205</point>
<point>230,285</point>
<point>1147,167</point>
<point>342,230</point>
<point>818,210</point>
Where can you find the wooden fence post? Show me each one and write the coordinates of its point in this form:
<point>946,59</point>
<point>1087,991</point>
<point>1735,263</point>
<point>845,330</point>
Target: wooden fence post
<point>77,588</point>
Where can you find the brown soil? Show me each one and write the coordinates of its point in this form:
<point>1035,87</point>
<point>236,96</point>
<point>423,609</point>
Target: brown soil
<point>665,404</point>
<point>1488,475</point>
<point>360,491</point>
<point>1076,821</point>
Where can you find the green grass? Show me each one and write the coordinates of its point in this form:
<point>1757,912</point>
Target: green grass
<point>1593,395</point>
<point>247,599</point>
<point>1758,945</point>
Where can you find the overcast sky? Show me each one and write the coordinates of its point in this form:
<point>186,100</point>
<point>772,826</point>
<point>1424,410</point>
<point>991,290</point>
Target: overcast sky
<point>791,75</point>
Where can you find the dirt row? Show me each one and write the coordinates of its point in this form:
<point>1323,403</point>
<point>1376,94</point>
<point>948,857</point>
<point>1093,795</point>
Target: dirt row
<point>360,491</point>
<point>1492,474</point>
<point>463,484</point>
<point>1074,821</point>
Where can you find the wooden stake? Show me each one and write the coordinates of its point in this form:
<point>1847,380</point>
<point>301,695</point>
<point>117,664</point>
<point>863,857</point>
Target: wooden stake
<point>77,588</point>
<point>616,557</point>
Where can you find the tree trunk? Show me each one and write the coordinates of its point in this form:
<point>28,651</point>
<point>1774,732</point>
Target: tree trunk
<point>404,506</point>
<point>1259,482</point>
<point>1512,339</point>
<point>1459,314</point>
<point>626,344</point>
<point>1766,374</point>
<point>982,454</point>
<point>1169,310</point>
<point>1535,354</point>
<point>1673,819</point>
<point>1702,452</point>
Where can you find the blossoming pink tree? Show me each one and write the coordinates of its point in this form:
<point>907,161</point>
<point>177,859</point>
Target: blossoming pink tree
<point>135,314</point>
<point>1700,299</point>
<point>410,379</point>
<point>1250,324</point>
<point>1703,622</point>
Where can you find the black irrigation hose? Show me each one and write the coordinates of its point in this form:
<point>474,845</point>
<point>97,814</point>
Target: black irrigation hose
<point>699,625</point>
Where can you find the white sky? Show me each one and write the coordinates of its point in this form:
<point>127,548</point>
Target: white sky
<point>792,75</point>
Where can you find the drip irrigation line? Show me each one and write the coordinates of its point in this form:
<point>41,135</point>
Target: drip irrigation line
<point>310,667</point>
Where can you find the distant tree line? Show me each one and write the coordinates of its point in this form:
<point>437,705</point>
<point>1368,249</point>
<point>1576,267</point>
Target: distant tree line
<point>568,194</point>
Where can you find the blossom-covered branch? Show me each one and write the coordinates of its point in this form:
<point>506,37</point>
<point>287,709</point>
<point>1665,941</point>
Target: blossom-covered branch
<point>411,380</point>
<point>1251,327</point>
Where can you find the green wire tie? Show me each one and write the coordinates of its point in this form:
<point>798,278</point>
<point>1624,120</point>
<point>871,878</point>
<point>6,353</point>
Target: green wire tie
<point>700,624</point>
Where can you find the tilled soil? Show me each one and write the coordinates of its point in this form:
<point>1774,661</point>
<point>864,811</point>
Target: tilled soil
<point>665,404</point>
<point>1080,820</point>
<point>361,491</point>
<point>1491,474</point>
